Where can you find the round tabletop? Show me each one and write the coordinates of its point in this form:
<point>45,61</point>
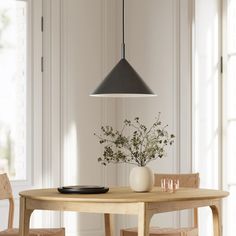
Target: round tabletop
<point>125,194</point>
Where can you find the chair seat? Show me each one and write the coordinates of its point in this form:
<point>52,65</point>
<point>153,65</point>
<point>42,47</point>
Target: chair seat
<point>162,232</point>
<point>35,232</point>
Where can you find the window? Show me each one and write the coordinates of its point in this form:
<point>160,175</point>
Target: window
<point>207,101</point>
<point>229,159</point>
<point>13,88</point>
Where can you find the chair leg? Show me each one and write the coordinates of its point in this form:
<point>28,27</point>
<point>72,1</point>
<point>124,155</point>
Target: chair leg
<point>109,225</point>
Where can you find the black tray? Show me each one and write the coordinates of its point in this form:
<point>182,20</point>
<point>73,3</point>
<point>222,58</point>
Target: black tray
<point>83,189</point>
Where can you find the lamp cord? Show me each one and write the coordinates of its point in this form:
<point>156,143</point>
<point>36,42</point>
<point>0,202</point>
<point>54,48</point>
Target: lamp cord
<point>123,29</point>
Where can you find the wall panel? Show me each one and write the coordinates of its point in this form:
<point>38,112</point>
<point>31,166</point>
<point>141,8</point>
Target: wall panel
<point>154,35</point>
<point>86,51</point>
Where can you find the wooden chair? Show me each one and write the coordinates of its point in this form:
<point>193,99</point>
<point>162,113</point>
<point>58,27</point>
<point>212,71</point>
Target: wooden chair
<point>185,180</point>
<point>6,193</point>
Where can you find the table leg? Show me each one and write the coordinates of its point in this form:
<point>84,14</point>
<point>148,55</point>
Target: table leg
<point>109,225</point>
<point>24,218</point>
<point>143,221</point>
<point>216,218</point>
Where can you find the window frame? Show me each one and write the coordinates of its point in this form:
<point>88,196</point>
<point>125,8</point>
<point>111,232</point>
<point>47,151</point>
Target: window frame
<point>225,162</point>
<point>34,100</point>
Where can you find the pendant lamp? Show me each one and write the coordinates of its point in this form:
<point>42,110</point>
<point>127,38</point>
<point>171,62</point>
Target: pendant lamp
<point>123,80</point>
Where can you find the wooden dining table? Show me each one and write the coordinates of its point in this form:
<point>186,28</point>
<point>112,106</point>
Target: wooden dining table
<point>121,200</point>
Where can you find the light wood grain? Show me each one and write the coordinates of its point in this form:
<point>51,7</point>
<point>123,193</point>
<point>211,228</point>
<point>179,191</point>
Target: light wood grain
<point>24,217</point>
<point>162,232</point>
<point>216,219</point>
<point>35,232</point>
<point>191,180</point>
<point>25,213</point>
<point>6,193</point>
<point>125,194</point>
<point>109,224</point>
<point>119,200</point>
<point>185,180</point>
<point>144,218</point>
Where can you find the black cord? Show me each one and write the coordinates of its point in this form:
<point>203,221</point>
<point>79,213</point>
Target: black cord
<point>123,21</point>
<point>123,29</point>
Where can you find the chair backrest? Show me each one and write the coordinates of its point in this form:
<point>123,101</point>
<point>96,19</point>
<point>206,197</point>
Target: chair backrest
<point>185,181</point>
<point>6,193</point>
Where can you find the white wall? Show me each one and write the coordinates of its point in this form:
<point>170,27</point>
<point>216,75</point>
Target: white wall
<point>81,46</point>
<point>83,65</point>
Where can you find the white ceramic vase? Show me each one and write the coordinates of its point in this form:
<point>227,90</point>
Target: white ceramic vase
<point>141,179</point>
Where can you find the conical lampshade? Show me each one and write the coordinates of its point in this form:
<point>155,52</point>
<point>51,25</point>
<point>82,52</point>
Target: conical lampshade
<point>123,81</point>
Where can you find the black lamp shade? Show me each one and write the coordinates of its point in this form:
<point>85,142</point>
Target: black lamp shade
<point>123,81</point>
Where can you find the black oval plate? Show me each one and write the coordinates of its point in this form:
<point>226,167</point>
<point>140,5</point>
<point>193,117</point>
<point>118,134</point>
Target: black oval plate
<point>83,187</point>
<point>83,190</point>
